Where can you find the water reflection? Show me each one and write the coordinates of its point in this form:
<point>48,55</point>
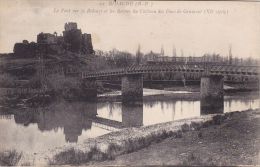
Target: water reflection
<point>61,122</point>
<point>152,112</point>
<point>72,117</point>
<point>132,114</point>
<point>211,106</point>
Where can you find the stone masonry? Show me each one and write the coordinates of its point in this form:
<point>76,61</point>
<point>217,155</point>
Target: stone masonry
<point>132,88</point>
<point>212,94</point>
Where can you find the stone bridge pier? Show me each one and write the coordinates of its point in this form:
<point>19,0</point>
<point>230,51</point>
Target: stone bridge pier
<point>132,87</point>
<point>212,94</point>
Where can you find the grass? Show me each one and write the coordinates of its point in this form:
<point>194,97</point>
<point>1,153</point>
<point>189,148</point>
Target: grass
<point>70,156</point>
<point>200,136</point>
<point>76,157</point>
<point>193,159</point>
<point>10,158</point>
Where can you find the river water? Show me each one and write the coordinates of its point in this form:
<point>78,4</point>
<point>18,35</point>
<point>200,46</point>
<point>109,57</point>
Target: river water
<point>33,130</point>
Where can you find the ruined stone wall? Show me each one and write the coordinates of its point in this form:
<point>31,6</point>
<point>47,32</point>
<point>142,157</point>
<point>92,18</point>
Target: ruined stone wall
<point>70,26</point>
<point>87,47</point>
<point>25,50</point>
<point>73,40</point>
<point>46,38</point>
<point>32,50</point>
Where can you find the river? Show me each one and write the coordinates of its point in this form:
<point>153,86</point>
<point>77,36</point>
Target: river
<point>36,129</point>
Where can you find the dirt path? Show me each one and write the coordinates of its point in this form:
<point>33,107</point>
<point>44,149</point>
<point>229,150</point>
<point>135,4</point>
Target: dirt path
<point>235,142</point>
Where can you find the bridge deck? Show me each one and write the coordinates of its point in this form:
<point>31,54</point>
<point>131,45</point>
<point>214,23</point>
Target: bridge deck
<point>145,69</point>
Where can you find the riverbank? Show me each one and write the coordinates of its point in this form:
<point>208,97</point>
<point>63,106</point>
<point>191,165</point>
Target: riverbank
<point>235,141</point>
<point>155,94</point>
<point>114,145</point>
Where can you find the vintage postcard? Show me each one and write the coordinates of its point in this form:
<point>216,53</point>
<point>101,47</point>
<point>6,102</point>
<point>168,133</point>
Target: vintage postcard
<point>129,83</point>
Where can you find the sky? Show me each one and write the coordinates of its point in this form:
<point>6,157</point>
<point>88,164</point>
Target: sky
<point>194,27</point>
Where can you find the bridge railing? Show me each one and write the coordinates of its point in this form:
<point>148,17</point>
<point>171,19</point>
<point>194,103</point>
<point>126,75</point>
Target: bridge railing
<point>143,69</point>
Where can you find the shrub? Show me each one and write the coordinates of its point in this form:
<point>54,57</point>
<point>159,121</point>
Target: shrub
<point>10,158</point>
<point>113,150</point>
<point>195,125</point>
<point>131,145</point>
<point>75,157</point>
<point>170,133</point>
<point>70,156</point>
<point>148,140</point>
<point>96,154</point>
<point>207,124</point>
<point>142,142</point>
<point>61,83</point>
<point>185,127</point>
<point>179,134</point>
<point>217,119</point>
<point>164,134</point>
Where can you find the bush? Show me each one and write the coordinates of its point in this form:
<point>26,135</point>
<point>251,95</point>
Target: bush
<point>170,133</point>
<point>185,127</point>
<point>164,134</point>
<point>96,154</point>
<point>207,124</point>
<point>70,156</point>
<point>58,82</point>
<point>195,125</point>
<point>75,157</point>
<point>130,146</point>
<point>10,158</point>
<point>148,139</point>
<point>217,119</point>
<point>178,134</point>
<point>113,150</point>
<point>142,142</point>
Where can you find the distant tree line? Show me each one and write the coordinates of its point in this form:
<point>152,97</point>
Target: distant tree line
<point>120,59</point>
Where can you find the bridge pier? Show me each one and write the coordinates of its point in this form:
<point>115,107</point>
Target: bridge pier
<point>132,87</point>
<point>212,94</point>
<point>89,90</point>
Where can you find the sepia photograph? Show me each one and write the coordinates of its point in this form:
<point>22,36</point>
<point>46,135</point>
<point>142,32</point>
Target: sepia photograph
<point>129,83</point>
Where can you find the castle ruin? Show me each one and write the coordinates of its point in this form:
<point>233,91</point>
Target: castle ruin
<point>72,40</point>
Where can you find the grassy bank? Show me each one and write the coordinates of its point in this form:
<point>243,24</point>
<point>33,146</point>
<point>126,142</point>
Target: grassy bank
<point>129,145</point>
<point>227,141</point>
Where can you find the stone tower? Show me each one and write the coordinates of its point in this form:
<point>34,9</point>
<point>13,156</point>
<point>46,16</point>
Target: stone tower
<point>72,37</point>
<point>75,41</point>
